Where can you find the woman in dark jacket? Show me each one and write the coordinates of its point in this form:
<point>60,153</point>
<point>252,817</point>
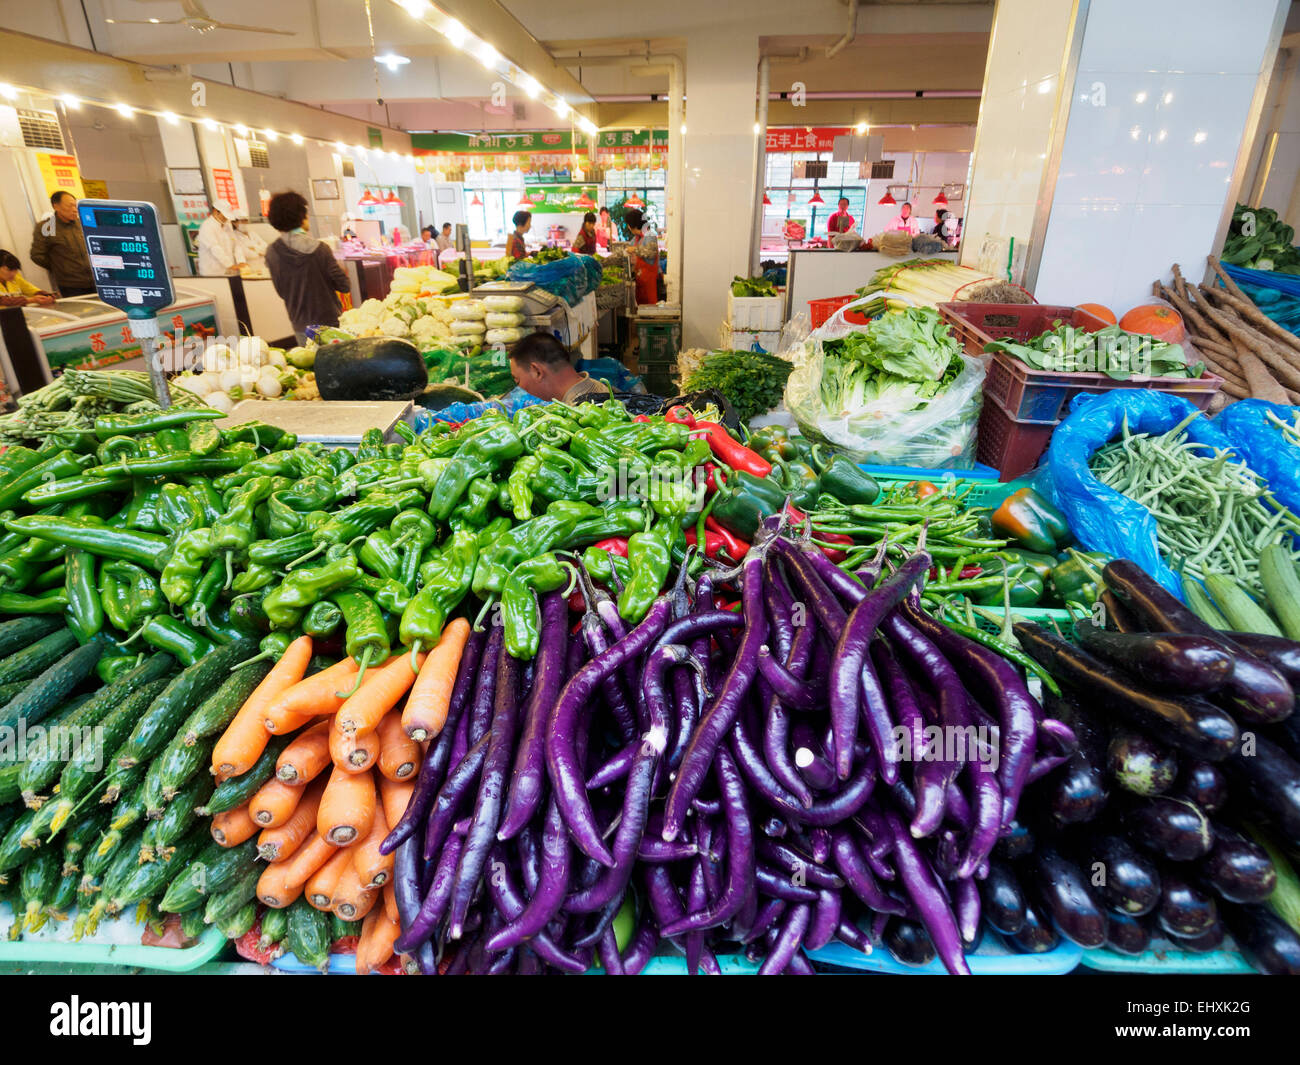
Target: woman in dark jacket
<point>303,270</point>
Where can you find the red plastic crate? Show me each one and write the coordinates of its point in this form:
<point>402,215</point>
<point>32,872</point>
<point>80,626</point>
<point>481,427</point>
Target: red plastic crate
<point>822,309</point>
<point>1010,447</point>
<point>970,321</point>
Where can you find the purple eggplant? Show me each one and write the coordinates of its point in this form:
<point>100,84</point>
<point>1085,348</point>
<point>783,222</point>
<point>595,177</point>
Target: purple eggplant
<point>793,691</point>
<point>1077,792</point>
<point>1237,868</point>
<point>1185,909</point>
<point>927,896</point>
<point>509,902</point>
<point>1003,899</point>
<point>1126,879</point>
<point>1174,828</point>
<point>434,904</point>
<point>789,940</point>
<point>1269,943</point>
<point>1066,896</point>
<point>553,885</point>
<point>1127,934</point>
<point>908,942</point>
<point>1204,784</point>
<point>451,796</point>
<point>1017,841</point>
<point>1279,652</point>
<point>1036,935</point>
<point>1265,775</point>
<point>857,873</point>
<point>1139,764</point>
<point>1172,661</point>
<point>1209,940</point>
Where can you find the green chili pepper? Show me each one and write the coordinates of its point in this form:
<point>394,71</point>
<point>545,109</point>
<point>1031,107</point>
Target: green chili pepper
<point>110,667</point>
<point>179,509</point>
<point>309,493</point>
<point>85,610</point>
<point>649,556</point>
<point>519,610</point>
<point>378,555</point>
<point>186,565</point>
<point>50,603</point>
<point>322,619</point>
<point>473,508</point>
<point>74,488</point>
<point>367,635</point>
<point>446,577</point>
<point>96,537</point>
<point>285,604</point>
<point>209,587</point>
<point>279,553</point>
<point>479,456</point>
<point>519,488</point>
<point>54,468</point>
<point>234,531</point>
<point>231,458</point>
<point>132,424</point>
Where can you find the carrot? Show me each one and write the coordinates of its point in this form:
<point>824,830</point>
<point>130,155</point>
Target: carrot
<point>352,899</point>
<point>246,737</point>
<point>353,752</point>
<point>378,934</point>
<point>399,755</point>
<point>347,808</point>
<point>282,882</point>
<point>426,706</point>
<point>274,803</point>
<point>395,796</point>
<point>232,827</point>
<point>310,698</point>
<point>367,937</point>
<point>374,868</point>
<point>320,885</point>
<point>306,755</point>
<point>282,840</point>
<point>390,905</point>
<point>382,690</point>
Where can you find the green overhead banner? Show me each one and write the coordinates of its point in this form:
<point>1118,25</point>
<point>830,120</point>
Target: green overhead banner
<point>612,140</point>
<point>493,143</point>
<point>561,199</point>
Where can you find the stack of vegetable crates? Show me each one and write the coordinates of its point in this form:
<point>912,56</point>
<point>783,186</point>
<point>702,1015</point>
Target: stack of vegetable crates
<point>1021,405</point>
<point>820,310</point>
<point>659,337</point>
<point>752,322</point>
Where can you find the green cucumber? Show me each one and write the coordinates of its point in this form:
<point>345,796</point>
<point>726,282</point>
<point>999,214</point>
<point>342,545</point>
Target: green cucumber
<point>241,922</point>
<point>339,928</point>
<point>38,832</point>
<point>151,791</point>
<point>309,935</point>
<point>211,871</point>
<point>275,926</point>
<point>129,809</point>
<point>9,787</point>
<point>238,790</point>
<point>11,690</point>
<point>12,852</point>
<point>1277,573</point>
<point>36,886</point>
<point>1238,607</point>
<point>23,632</point>
<point>181,812</point>
<point>1285,900</point>
<point>119,781</point>
<point>64,897</point>
<point>182,695</point>
<point>179,764</point>
<point>220,708</point>
<point>231,898</point>
<point>124,862</point>
<point>53,686</point>
<point>47,745</point>
<point>151,878</point>
<point>192,925</point>
<point>99,854</point>
<point>38,657</point>
<point>81,835</point>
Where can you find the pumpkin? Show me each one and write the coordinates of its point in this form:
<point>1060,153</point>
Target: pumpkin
<point>1098,310</point>
<point>1155,320</point>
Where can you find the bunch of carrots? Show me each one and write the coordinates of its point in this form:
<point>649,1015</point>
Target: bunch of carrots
<point>343,778</point>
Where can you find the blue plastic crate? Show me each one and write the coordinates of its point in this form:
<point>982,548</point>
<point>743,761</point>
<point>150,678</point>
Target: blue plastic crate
<point>992,958</point>
<point>1164,959</point>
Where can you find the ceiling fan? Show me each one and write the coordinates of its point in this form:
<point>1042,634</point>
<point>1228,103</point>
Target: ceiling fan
<point>197,19</point>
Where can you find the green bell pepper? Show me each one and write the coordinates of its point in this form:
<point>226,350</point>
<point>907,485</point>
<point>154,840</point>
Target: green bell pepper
<point>744,501</point>
<point>1077,579</point>
<point>843,479</point>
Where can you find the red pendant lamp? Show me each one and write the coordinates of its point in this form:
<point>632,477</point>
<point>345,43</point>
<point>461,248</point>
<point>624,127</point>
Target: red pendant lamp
<point>634,201</point>
<point>392,200</point>
<point>940,200</point>
<point>816,197</point>
<point>368,199</point>
<point>767,202</point>
<point>887,198</point>
<point>585,202</point>
<point>476,202</point>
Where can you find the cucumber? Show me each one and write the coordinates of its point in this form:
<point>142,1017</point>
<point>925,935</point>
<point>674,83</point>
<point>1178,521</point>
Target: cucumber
<point>129,809</point>
<point>99,854</point>
<point>181,812</point>
<point>232,897</point>
<point>9,788</point>
<point>275,926</point>
<point>64,897</point>
<point>12,852</point>
<point>151,791</point>
<point>11,690</point>
<point>339,928</point>
<point>192,925</point>
<point>241,922</point>
<point>151,878</point>
<point>1285,900</point>
<point>220,708</point>
<point>123,863</point>
<point>208,874</point>
<point>23,632</point>
<point>38,831</point>
<point>27,663</point>
<point>8,815</point>
<point>1244,614</point>
<point>47,744</point>
<point>1281,584</point>
<point>179,764</point>
<point>182,695</point>
<point>95,765</point>
<point>238,790</point>
<point>122,781</point>
<point>309,935</point>
<point>36,887</point>
<point>52,686</point>
<point>81,835</point>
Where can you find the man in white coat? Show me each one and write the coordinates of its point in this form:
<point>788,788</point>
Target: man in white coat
<point>219,254</point>
<point>249,247</point>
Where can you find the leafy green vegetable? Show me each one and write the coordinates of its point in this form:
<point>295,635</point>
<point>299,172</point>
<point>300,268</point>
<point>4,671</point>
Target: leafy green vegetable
<point>1112,351</point>
<point>752,381</point>
<point>752,286</point>
<point>1259,240</point>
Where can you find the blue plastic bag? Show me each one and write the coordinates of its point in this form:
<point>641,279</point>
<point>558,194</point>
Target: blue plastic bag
<point>570,278</point>
<point>1101,518</point>
<point>1262,446</point>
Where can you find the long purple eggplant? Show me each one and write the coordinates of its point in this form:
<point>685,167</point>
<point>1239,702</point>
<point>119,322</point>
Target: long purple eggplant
<point>857,874</point>
<point>641,949</point>
<point>928,897</point>
<point>789,939</point>
<point>825,605</point>
<point>776,728</point>
<point>825,920</point>
<point>556,864</point>
<point>434,904</point>
<point>450,797</point>
<point>798,864</point>
<point>611,685</point>
<point>791,690</point>
<point>506,897</point>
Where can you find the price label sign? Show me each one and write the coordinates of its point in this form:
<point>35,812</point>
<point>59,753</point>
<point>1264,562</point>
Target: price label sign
<point>126,254</point>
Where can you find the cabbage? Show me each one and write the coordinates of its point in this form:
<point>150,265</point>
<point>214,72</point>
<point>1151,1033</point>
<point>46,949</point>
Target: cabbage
<point>465,326</point>
<point>503,336</point>
<point>500,320</point>
<point>468,310</point>
<point>504,303</point>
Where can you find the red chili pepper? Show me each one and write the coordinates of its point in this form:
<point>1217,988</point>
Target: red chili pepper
<point>680,416</point>
<point>577,605</point>
<point>641,418</point>
<point>735,546</point>
<point>714,544</point>
<point>795,514</point>
<point>834,554</point>
<point>732,452</point>
<point>923,489</point>
<point>615,545</point>
<point>709,482</point>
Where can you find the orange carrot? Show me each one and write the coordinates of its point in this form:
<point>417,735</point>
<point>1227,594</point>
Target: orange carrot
<point>374,868</point>
<point>426,707</point>
<point>320,886</point>
<point>399,755</point>
<point>282,882</point>
<point>378,934</point>
<point>390,905</point>
<point>311,697</point>
<point>282,840</point>
<point>367,937</point>
<point>232,827</point>
<point>246,737</point>
<point>274,803</point>
<point>353,752</point>
<point>307,755</point>
<point>395,796</point>
<point>347,808</point>
<point>352,899</point>
<point>382,690</point>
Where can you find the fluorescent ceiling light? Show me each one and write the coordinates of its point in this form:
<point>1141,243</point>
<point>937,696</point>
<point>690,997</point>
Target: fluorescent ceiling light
<point>270,135</point>
<point>8,92</point>
<point>392,60</point>
<point>531,86</point>
<point>125,110</point>
<point>861,128</point>
<point>210,124</point>
<point>240,130</point>
<point>70,101</point>
<point>487,55</point>
<point>561,107</point>
<point>454,32</point>
<point>169,117</point>
<point>415,8</point>
<point>296,138</point>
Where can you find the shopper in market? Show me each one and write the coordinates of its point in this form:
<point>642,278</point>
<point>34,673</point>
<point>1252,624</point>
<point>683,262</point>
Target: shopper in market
<point>540,366</point>
<point>904,221</point>
<point>445,241</point>
<point>604,229</point>
<point>515,247</point>
<point>303,269</point>
<point>16,290</point>
<point>219,253</point>
<point>645,256</point>
<point>841,221</point>
<point>585,243</point>
<point>59,248</point>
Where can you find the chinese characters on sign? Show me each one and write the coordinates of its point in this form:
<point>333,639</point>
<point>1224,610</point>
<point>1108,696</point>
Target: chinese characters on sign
<point>60,173</point>
<point>818,139</point>
<point>223,183</point>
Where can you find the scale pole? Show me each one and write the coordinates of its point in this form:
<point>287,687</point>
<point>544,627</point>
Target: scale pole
<point>147,330</point>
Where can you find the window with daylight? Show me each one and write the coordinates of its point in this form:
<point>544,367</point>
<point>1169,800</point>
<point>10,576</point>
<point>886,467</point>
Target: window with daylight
<point>790,195</point>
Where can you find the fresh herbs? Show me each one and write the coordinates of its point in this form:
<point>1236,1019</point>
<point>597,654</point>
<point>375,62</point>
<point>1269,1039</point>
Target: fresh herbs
<point>752,381</point>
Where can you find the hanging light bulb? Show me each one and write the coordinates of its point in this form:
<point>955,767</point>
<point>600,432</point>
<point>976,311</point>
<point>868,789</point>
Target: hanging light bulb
<point>816,197</point>
<point>887,198</point>
<point>476,202</point>
<point>941,200</point>
<point>392,199</point>
<point>367,199</point>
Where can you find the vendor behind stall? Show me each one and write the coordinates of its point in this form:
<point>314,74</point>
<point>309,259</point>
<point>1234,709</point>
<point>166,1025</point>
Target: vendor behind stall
<point>59,247</point>
<point>645,257</point>
<point>515,248</point>
<point>303,270</point>
<point>841,221</point>
<point>540,366</point>
<point>248,245</point>
<point>16,290</point>
<point>585,242</point>
<point>219,253</point>
<point>904,222</point>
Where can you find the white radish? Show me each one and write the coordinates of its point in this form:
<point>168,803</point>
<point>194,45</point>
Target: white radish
<point>220,401</point>
<point>229,379</point>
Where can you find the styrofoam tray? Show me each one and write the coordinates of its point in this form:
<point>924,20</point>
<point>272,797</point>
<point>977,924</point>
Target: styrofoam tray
<point>991,959</point>
<point>1165,959</point>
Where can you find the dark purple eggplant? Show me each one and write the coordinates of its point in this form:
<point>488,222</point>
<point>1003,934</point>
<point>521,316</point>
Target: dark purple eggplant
<point>1204,784</point>
<point>1265,774</point>
<point>1269,943</point>
<point>908,941</point>
<point>1255,691</point>
<point>1127,934</point>
<point>1174,828</point>
<point>1176,661</point>
<point>1063,890</point>
<point>1036,935</point>
<point>1191,724</point>
<point>1139,764</point>
<point>1205,942</point>
<point>1017,841</point>
<point>1077,791</point>
<point>1003,899</point>
<point>1117,616</point>
<point>1126,879</point>
<point>1185,909</point>
<point>1237,868</point>
<point>1286,734</point>
<point>1279,652</point>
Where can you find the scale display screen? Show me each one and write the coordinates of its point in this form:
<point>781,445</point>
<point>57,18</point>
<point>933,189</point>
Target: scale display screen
<point>126,254</point>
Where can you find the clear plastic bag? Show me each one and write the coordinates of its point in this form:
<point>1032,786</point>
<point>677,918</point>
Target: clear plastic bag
<point>940,434</point>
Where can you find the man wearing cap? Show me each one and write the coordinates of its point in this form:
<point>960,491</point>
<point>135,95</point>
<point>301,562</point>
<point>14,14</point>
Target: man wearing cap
<point>219,253</point>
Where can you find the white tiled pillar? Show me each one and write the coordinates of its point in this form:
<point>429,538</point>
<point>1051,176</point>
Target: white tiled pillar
<point>721,86</point>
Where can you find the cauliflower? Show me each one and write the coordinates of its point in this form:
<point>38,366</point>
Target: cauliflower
<point>394,327</point>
